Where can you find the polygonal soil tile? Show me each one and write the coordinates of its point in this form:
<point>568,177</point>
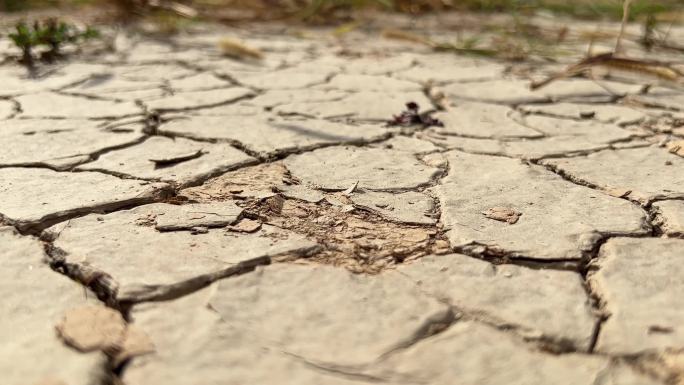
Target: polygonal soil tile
<point>552,146</point>
<point>323,62</point>
<point>275,135</point>
<point>235,68</point>
<point>364,105</point>
<point>472,145</point>
<point>379,65</point>
<point>661,98</point>
<point>34,198</point>
<point>670,217</point>
<point>16,80</point>
<point>135,95</point>
<point>273,98</point>
<point>192,341</point>
<point>489,356</point>
<point>6,109</point>
<point>582,89</point>
<point>274,44</point>
<point>54,105</point>
<point>143,260</point>
<point>284,80</point>
<point>594,131</point>
<point>531,148</point>
<point>243,108</point>
<point>303,193</point>
<point>355,83</point>
<point>503,91</point>
<point>441,73</point>
<point>145,51</point>
<point>409,207</point>
<point>34,299</point>
<point>564,137</point>
<point>372,168</point>
<point>201,81</point>
<point>312,297</point>
<point>109,83</point>
<point>185,217</point>
<point>638,280</point>
<point>198,99</point>
<point>153,72</point>
<point>481,120</point>
<point>555,219</point>
<point>407,144</point>
<point>176,160</point>
<point>294,311</point>
<point>60,144</point>
<point>605,113</point>
<point>513,91</point>
<point>560,137</point>
<point>639,173</point>
<point>547,304</point>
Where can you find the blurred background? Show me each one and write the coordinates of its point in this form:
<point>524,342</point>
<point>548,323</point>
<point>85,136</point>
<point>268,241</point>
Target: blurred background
<point>513,30</point>
<point>322,11</point>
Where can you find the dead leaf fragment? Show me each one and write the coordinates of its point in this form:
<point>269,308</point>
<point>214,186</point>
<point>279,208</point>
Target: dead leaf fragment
<point>90,328</point>
<point>502,214</point>
<point>238,50</point>
<point>676,147</point>
<point>664,73</point>
<point>176,158</point>
<point>351,189</point>
<point>245,226</point>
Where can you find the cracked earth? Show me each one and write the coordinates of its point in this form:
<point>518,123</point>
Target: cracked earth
<point>169,215</point>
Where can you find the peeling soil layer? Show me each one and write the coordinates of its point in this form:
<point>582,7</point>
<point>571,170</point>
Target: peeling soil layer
<point>174,213</point>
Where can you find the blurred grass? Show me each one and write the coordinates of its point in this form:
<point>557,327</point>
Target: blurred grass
<point>585,9</point>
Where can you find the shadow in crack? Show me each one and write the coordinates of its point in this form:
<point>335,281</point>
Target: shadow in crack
<point>312,133</point>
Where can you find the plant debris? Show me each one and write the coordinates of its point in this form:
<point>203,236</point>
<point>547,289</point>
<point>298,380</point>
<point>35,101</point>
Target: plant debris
<point>51,33</point>
<point>413,116</point>
<point>161,162</point>
<point>676,147</point>
<point>663,72</point>
<point>238,50</point>
<point>465,48</point>
<point>351,189</point>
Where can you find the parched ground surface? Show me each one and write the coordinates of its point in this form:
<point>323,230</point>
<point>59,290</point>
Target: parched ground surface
<point>169,215</point>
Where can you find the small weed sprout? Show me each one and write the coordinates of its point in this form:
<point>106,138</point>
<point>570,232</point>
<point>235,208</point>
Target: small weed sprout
<point>51,33</point>
<point>25,39</point>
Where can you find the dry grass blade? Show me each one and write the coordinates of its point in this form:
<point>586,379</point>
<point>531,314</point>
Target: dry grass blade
<point>396,34</point>
<point>625,18</point>
<point>238,50</point>
<point>437,46</point>
<point>662,72</point>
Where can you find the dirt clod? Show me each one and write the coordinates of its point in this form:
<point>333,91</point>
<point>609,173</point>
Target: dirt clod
<point>502,214</point>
